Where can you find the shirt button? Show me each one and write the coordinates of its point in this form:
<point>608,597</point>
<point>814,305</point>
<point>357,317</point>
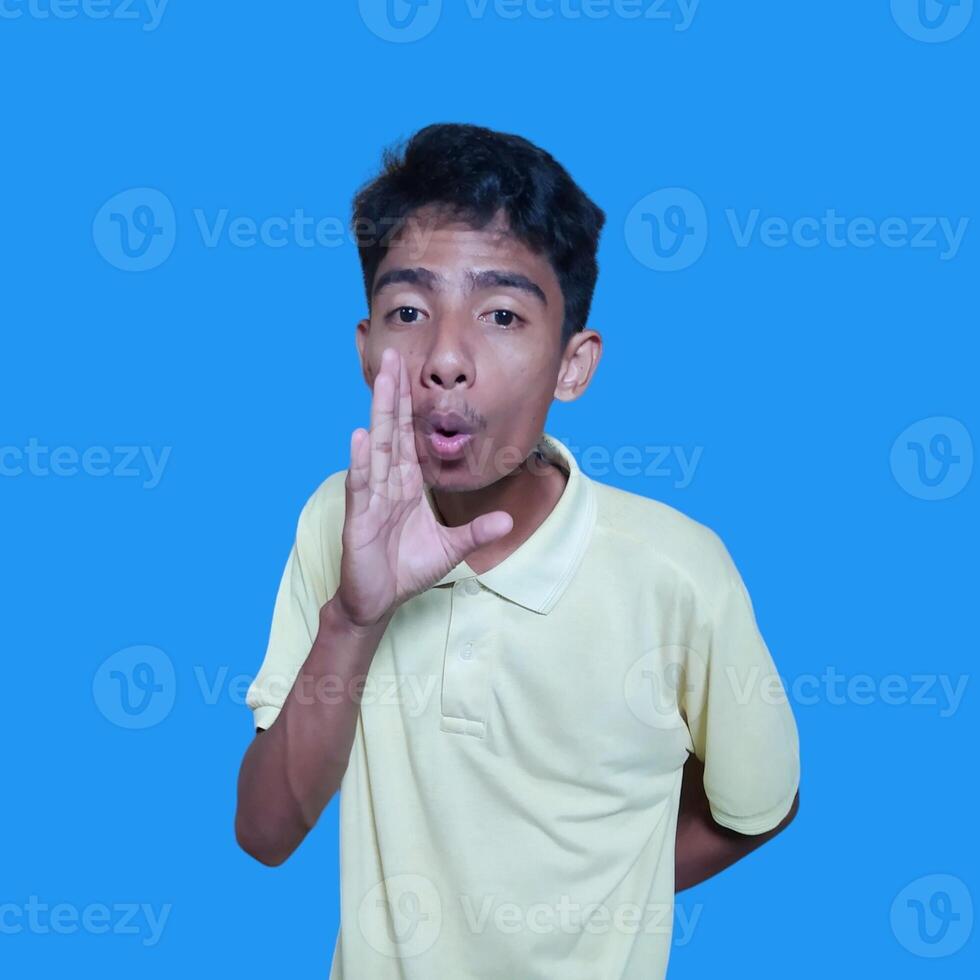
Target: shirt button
<point>466,651</point>
<point>472,586</point>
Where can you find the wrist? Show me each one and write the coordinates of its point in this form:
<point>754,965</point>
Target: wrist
<point>334,614</point>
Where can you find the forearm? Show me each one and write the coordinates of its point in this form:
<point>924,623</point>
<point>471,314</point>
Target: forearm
<point>703,847</point>
<point>291,771</point>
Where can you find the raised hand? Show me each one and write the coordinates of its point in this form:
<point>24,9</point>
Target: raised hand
<point>393,546</point>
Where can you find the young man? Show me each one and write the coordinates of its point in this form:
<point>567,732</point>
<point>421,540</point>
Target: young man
<point>503,665</point>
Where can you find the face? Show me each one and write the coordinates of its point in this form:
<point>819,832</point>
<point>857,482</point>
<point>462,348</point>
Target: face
<point>477,317</point>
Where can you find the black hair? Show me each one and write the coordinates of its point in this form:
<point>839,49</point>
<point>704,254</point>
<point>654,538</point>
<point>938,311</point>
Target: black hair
<point>471,173</point>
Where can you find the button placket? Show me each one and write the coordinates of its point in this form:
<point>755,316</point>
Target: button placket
<point>466,667</point>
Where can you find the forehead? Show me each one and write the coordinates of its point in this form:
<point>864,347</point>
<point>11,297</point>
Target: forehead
<point>441,242</point>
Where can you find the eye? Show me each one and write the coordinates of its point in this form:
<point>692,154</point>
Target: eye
<point>504,318</point>
<point>405,314</point>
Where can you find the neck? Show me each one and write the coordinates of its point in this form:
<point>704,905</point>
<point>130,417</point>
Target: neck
<point>529,493</point>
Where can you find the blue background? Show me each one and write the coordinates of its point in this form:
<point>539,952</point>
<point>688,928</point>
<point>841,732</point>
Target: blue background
<point>793,369</point>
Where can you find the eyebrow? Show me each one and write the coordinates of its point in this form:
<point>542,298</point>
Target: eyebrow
<point>488,279</point>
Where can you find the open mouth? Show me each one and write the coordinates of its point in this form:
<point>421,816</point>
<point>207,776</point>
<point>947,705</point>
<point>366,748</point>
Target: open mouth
<point>448,443</point>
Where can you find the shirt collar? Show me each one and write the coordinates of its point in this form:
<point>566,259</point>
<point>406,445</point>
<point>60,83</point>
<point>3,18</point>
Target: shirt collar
<point>538,572</point>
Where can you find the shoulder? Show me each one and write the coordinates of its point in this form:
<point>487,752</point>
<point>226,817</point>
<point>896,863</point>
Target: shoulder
<point>660,538</point>
<point>322,516</point>
<point>329,495</point>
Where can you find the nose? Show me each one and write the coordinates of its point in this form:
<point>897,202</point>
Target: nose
<point>449,361</point>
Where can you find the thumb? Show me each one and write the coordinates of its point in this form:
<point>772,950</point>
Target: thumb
<point>480,531</point>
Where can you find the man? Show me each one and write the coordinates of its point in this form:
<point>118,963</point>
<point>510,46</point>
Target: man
<point>501,664</point>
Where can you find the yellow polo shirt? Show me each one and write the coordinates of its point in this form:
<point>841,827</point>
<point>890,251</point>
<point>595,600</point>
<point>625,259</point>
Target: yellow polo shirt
<point>510,805</point>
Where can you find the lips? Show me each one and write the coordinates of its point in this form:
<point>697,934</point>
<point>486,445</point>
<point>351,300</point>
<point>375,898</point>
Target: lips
<point>448,423</point>
<point>449,447</point>
<point>448,434</point>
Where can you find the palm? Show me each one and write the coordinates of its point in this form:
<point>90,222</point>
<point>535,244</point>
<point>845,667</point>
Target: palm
<point>393,546</point>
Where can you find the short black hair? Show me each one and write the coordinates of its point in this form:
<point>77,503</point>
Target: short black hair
<point>472,172</point>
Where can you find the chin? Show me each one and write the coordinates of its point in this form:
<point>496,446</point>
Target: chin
<point>455,477</point>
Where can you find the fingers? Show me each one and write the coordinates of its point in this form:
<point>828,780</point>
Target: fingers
<point>382,419</point>
<point>395,420</point>
<point>406,417</point>
<point>480,531</point>
<point>358,471</point>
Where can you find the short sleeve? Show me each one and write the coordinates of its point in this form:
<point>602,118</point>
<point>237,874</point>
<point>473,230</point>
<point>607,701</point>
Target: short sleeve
<point>739,717</point>
<point>310,578</point>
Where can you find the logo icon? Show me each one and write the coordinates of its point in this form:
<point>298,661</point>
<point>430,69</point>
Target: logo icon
<point>135,687</point>
<point>400,21</point>
<point>657,683</point>
<point>933,916</point>
<point>933,458</point>
<point>667,230</point>
<point>135,230</point>
<point>401,916</point>
<point>932,21</point>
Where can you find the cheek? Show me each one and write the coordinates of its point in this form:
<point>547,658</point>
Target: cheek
<point>378,341</point>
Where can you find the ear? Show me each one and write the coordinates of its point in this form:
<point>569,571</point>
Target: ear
<point>578,364</point>
<point>361,338</point>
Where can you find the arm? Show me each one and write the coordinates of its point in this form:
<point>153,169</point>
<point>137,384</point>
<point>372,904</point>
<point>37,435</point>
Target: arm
<point>741,781</point>
<point>703,847</point>
<point>392,549</point>
<point>291,771</point>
